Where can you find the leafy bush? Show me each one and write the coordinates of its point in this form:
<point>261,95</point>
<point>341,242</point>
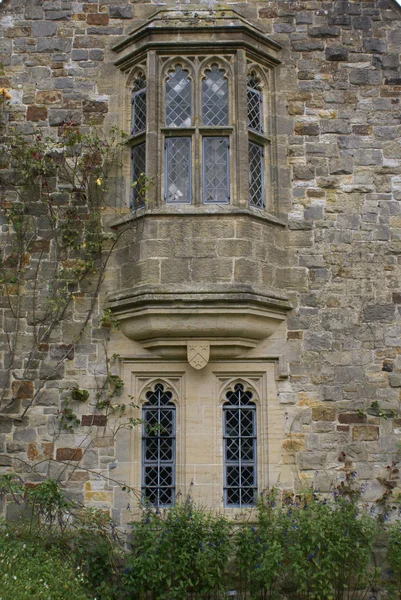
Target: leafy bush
<point>309,548</point>
<point>178,553</point>
<point>29,570</point>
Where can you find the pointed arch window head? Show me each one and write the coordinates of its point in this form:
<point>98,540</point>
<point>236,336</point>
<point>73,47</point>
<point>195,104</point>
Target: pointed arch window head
<point>139,105</point>
<point>158,448</point>
<point>239,431</point>
<point>178,98</point>
<point>254,100</point>
<point>215,97</point>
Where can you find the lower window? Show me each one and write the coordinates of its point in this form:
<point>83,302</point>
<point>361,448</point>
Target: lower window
<point>158,448</point>
<point>239,431</point>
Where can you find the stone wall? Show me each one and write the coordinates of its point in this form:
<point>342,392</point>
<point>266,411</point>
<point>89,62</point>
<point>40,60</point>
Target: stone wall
<point>338,127</point>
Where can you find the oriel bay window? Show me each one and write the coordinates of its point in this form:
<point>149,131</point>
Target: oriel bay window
<point>209,133</point>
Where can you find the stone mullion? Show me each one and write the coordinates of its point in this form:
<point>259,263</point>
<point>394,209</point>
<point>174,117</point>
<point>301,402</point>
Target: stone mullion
<point>153,156</point>
<point>241,158</point>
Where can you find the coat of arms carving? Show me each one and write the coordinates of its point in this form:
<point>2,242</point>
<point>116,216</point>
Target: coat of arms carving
<point>198,354</point>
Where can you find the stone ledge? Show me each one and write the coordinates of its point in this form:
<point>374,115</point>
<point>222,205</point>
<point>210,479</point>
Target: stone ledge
<point>231,319</point>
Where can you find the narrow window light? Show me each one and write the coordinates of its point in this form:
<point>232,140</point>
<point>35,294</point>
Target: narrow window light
<point>240,466</point>
<point>254,98</point>
<point>216,171</point>
<point>178,170</point>
<point>178,99</point>
<point>215,97</point>
<point>138,159</point>
<point>158,448</point>
<point>139,106</point>
<point>256,175</point>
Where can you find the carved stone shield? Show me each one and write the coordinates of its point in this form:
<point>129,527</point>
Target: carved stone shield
<point>198,354</point>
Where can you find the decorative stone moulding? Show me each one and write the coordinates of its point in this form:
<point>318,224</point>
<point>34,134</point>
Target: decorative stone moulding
<point>199,325</point>
<point>214,28</point>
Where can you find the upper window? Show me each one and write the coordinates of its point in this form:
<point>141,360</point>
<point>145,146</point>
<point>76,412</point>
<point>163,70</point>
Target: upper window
<point>215,97</point>
<point>189,127</point>
<point>139,105</point>
<point>178,99</point>
<point>158,448</point>
<point>239,431</point>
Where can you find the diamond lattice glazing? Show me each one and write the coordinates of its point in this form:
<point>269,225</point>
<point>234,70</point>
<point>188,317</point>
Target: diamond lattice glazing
<point>178,99</point>
<point>215,98</point>
<point>215,170</point>
<point>178,169</point>
<point>158,448</point>
<point>240,448</point>
<point>254,97</point>
<point>256,192</point>
<point>138,157</point>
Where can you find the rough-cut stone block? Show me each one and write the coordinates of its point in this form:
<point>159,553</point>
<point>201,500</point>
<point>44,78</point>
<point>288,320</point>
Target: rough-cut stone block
<point>97,19</point>
<point>94,420</point>
<point>121,12</point>
<point>48,97</point>
<point>317,341</point>
<point>36,113</point>
<point>380,312</point>
<point>61,352</point>
<point>311,129</point>
<point>335,53</point>
<point>311,460</point>
<point>43,29</point>
<point>22,389</point>
<point>395,380</point>
<point>323,413</point>
<point>324,32</point>
<point>350,418</point>
<point>66,454</point>
<point>365,433</point>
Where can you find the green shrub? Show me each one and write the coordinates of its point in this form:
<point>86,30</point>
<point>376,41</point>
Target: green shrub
<point>176,553</point>
<point>29,570</point>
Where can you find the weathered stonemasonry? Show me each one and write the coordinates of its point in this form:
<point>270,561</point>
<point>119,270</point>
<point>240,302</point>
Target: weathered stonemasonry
<point>320,267</point>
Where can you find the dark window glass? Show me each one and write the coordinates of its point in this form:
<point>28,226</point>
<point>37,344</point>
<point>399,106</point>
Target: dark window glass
<point>138,157</point>
<point>215,97</point>
<point>178,169</point>
<point>240,466</point>
<point>256,187</point>
<point>178,99</point>
<point>216,179</point>
<point>158,448</point>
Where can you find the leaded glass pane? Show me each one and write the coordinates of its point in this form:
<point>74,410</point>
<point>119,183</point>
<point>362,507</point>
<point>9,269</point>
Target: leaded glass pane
<point>138,157</point>
<point>178,99</point>
<point>215,170</point>
<point>139,107</point>
<point>254,97</point>
<point>158,452</point>
<point>178,169</point>
<point>239,423</point>
<point>256,191</point>
<point>215,97</point>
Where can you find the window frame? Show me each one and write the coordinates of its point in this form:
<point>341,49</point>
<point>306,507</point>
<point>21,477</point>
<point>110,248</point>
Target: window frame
<point>146,463</point>
<point>228,406</point>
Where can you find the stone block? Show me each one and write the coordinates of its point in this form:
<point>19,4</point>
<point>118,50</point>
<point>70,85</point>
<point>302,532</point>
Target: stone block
<point>79,54</point>
<point>324,32</point>
<point>25,434</point>
<point>121,12</point>
<point>43,29</point>
<point>336,53</point>
<point>311,461</point>
<point>383,313</point>
<point>395,380</point>
<point>61,352</point>
<point>323,413</point>
<point>48,97</point>
<point>316,342</point>
<point>22,389</point>
<point>67,454</point>
<point>310,129</point>
<point>97,19</point>
<point>96,54</point>
<point>295,279</point>
<point>36,113</point>
<point>58,15</point>
<point>94,420</point>
<point>365,433</point>
<point>351,418</point>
